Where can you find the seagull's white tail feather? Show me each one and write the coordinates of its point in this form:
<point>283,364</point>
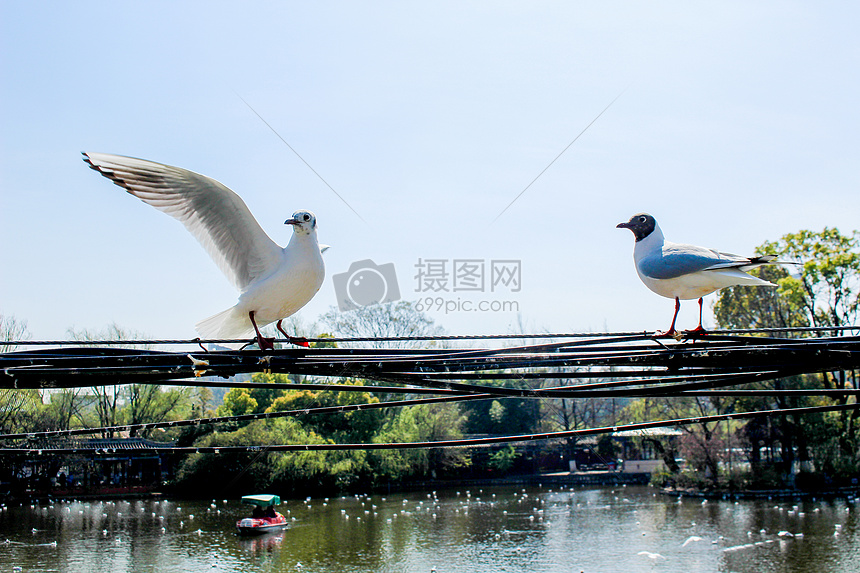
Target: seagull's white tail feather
<point>231,323</point>
<point>738,277</point>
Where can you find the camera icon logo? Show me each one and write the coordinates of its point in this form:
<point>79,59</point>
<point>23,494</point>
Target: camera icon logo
<point>365,283</point>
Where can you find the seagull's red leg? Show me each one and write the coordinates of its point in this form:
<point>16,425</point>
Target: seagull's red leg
<point>671,330</point>
<point>699,329</point>
<point>298,341</point>
<point>265,343</point>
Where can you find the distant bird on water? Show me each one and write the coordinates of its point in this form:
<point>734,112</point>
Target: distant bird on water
<point>651,556</point>
<point>274,282</point>
<point>685,272</point>
<point>691,539</point>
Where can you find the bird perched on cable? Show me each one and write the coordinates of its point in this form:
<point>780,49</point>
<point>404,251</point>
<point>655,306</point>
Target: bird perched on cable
<point>685,272</point>
<point>274,282</point>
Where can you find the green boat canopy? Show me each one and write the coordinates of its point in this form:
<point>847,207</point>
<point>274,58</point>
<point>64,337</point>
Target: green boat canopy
<point>262,499</point>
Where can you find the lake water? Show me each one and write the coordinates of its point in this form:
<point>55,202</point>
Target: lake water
<point>510,529</point>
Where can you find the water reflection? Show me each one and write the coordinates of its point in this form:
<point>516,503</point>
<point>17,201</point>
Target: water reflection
<point>490,529</point>
<point>265,542</point>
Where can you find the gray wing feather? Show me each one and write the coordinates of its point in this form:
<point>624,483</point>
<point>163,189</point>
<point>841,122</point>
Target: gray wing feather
<point>676,260</point>
<point>215,215</point>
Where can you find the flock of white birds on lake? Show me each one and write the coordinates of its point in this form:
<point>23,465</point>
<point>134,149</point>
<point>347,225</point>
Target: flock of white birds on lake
<point>524,511</point>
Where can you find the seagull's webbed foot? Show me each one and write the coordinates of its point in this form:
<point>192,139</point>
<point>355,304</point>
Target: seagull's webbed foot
<point>297,340</point>
<point>695,334</point>
<point>672,333</point>
<point>699,330</point>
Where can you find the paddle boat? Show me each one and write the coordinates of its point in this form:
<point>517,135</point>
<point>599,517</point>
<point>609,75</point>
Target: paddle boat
<point>264,518</point>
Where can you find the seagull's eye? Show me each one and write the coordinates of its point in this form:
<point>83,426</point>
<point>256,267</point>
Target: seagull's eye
<point>306,217</point>
<point>642,219</point>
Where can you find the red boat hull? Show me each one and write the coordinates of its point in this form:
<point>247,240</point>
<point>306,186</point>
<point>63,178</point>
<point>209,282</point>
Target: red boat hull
<point>258,526</point>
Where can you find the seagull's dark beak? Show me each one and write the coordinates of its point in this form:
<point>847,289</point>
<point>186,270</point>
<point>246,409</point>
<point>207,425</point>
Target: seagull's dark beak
<point>623,225</point>
<point>292,222</point>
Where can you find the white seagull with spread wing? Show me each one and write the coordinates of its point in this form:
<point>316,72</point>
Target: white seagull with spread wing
<point>274,282</point>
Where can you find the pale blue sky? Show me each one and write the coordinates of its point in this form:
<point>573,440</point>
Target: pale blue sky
<point>739,123</point>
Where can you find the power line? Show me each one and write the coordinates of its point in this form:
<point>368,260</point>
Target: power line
<point>600,356</point>
<point>609,365</point>
<point>453,337</point>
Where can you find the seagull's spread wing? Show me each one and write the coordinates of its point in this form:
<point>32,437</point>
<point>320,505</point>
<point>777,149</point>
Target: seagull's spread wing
<point>676,260</point>
<point>214,214</point>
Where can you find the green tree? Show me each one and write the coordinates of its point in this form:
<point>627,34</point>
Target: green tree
<point>421,423</point>
<point>744,308</point>
<point>503,459</point>
<point>290,473</point>
<point>237,402</point>
<point>828,288</point>
<point>398,464</point>
<point>346,427</point>
<point>823,291</point>
<point>18,409</point>
<point>246,471</point>
<point>501,416</point>
<point>148,403</point>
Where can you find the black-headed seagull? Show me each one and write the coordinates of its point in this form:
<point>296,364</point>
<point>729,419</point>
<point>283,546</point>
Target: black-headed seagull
<point>686,272</point>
